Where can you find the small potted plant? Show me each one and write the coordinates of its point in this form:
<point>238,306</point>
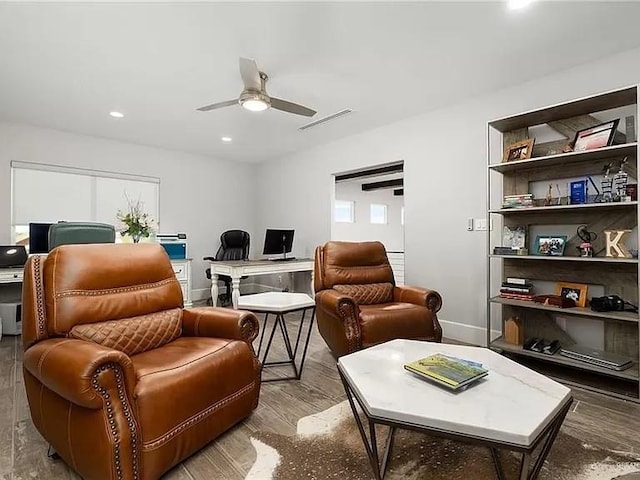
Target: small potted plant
<point>135,222</point>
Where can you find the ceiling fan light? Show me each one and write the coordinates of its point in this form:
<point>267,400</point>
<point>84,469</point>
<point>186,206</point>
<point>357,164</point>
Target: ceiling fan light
<point>255,104</point>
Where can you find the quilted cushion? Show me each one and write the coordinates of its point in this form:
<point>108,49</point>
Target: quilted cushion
<point>368,294</point>
<point>133,335</point>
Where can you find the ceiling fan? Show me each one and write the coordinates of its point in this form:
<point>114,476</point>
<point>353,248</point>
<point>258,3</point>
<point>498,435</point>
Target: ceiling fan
<point>254,97</point>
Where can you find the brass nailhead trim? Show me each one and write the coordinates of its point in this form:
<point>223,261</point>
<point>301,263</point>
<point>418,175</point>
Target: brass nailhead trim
<point>112,423</point>
<point>208,411</point>
<point>353,335</point>
<point>39,293</point>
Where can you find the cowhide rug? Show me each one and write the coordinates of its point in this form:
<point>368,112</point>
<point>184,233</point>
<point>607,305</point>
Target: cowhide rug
<point>328,446</point>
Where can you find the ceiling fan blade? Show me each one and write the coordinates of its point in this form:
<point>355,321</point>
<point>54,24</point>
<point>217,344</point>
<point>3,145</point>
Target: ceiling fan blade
<point>250,74</point>
<point>228,103</point>
<point>291,107</point>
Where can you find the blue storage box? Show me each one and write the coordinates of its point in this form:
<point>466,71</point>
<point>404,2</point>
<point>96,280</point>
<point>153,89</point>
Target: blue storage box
<point>175,250</point>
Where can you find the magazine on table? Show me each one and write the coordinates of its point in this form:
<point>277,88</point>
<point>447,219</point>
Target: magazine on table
<point>448,371</point>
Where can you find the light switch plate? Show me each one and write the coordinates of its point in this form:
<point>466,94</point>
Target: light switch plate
<point>481,224</point>
<point>470,224</point>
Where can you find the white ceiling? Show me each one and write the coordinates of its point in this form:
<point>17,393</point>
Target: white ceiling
<point>65,66</point>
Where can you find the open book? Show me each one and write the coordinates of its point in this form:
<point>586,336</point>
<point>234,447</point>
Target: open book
<point>451,372</point>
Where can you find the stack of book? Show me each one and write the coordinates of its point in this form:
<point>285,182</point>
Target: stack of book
<point>517,288</point>
<point>518,201</point>
<point>447,371</point>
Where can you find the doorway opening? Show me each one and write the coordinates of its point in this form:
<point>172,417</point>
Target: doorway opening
<point>367,205</point>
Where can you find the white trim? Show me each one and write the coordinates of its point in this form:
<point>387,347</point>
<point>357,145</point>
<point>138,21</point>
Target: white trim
<point>82,171</point>
<point>462,332</point>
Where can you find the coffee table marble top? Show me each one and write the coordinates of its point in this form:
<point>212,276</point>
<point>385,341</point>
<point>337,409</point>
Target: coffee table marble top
<point>276,302</point>
<point>512,404</point>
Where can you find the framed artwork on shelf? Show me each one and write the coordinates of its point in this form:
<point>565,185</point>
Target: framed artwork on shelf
<point>595,137</point>
<point>573,291</point>
<point>550,245</point>
<point>519,151</point>
<point>514,236</point>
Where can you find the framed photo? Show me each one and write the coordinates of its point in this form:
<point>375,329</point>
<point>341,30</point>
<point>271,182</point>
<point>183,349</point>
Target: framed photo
<point>573,291</point>
<point>519,150</point>
<point>550,245</point>
<point>595,137</point>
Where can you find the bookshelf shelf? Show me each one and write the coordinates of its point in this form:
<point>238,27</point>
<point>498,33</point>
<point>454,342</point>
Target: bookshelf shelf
<point>619,332</point>
<point>583,312</point>
<point>615,151</point>
<point>560,208</point>
<point>566,258</point>
<point>628,374</point>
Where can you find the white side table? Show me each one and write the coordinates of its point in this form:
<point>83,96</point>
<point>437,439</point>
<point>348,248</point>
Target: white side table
<point>281,303</point>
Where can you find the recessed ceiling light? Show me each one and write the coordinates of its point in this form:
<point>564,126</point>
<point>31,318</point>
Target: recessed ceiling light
<point>518,4</point>
<point>226,139</point>
<point>116,114</point>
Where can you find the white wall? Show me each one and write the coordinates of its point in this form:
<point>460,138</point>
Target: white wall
<point>444,155</point>
<point>200,196</point>
<point>390,234</point>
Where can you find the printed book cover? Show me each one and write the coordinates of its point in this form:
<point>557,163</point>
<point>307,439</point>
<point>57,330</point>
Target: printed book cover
<point>451,372</point>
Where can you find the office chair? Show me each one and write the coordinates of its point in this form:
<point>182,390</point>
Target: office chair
<point>234,245</point>
<point>68,233</point>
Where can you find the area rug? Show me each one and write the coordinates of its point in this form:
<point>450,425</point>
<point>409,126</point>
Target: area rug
<point>328,446</point>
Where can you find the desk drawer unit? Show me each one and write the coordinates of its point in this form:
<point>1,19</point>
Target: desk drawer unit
<point>11,275</point>
<point>182,269</point>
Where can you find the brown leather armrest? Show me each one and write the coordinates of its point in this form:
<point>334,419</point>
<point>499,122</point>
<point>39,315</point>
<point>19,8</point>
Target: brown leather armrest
<point>67,366</point>
<point>220,322</point>
<point>338,318</point>
<point>418,296</point>
<point>336,303</point>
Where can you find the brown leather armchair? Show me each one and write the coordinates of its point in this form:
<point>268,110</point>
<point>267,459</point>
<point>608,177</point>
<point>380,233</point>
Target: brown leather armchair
<point>358,304</point>
<point>121,380</point>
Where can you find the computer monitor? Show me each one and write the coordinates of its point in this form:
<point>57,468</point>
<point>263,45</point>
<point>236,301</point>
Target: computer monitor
<point>39,237</point>
<point>278,242</point>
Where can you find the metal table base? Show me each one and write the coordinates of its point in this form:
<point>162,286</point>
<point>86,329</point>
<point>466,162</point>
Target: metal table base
<point>292,353</point>
<point>529,468</point>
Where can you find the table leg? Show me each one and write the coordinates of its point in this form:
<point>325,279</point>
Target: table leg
<point>235,294</point>
<point>214,289</point>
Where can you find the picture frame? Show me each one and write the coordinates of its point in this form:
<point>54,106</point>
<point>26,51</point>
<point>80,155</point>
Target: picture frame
<point>573,291</point>
<point>519,151</point>
<point>598,136</point>
<point>550,245</point>
<point>514,236</point>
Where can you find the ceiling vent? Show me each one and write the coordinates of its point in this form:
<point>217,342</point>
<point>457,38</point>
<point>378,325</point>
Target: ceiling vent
<point>326,119</point>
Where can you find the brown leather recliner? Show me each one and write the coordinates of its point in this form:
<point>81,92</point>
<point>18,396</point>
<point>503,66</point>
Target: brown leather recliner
<point>121,381</point>
<point>358,304</point>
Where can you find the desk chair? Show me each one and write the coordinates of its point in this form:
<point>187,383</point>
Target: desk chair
<point>358,304</point>
<point>72,233</point>
<point>234,245</point>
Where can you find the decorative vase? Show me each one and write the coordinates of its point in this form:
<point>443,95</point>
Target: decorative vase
<point>136,238</point>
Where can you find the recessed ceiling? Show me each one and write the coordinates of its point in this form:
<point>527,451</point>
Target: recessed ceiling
<point>66,66</point>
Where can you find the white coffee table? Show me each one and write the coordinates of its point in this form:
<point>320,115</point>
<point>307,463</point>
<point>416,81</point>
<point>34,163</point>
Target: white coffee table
<point>281,303</point>
<point>513,408</point>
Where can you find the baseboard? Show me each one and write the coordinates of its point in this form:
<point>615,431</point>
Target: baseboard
<point>462,332</point>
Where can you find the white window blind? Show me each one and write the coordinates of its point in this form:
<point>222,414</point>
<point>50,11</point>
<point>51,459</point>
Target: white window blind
<point>41,196</point>
<point>50,193</point>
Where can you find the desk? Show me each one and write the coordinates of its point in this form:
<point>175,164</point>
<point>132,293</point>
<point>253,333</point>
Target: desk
<point>10,293</point>
<point>239,268</point>
<point>11,275</point>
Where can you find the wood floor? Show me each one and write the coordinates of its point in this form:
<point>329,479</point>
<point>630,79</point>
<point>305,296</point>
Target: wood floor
<point>598,420</point>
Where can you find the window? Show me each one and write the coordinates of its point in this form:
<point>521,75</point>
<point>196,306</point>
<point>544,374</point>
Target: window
<point>344,211</point>
<point>378,214</point>
<point>50,193</point>
<point>402,215</point>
